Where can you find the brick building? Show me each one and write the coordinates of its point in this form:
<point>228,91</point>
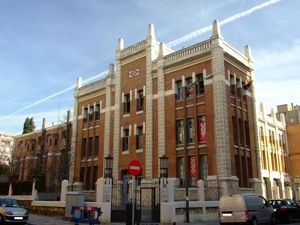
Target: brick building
<point>274,155</point>
<point>138,111</point>
<point>43,154</point>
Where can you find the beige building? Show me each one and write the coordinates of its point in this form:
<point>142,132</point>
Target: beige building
<point>6,143</point>
<point>274,155</point>
<point>291,113</point>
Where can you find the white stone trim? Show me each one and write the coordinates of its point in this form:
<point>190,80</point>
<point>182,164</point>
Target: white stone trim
<point>134,129</point>
<point>193,77</point>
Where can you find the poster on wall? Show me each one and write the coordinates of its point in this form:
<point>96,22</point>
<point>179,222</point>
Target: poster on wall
<point>192,166</point>
<point>202,133</point>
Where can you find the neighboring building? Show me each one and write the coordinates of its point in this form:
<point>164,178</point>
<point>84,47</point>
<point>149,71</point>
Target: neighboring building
<point>293,132</point>
<point>138,112</point>
<point>274,155</point>
<point>291,113</point>
<point>292,118</point>
<point>6,143</point>
<point>45,152</point>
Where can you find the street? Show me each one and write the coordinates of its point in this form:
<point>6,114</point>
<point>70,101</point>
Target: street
<point>35,219</point>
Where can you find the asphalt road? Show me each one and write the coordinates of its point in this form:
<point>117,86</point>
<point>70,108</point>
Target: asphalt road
<point>48,220</point>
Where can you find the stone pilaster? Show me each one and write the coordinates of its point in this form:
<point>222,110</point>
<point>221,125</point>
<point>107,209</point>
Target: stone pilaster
<point>254,117</point>
<point>150,50</point>
<point>117,111</point>
<point>161,105</point>
<point>107,125</point>
<point>74,132</point>
<point>222,145</point>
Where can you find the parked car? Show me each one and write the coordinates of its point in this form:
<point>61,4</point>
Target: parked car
<point>286,209</point>
<point>245,208</point>
<point>11,211</point>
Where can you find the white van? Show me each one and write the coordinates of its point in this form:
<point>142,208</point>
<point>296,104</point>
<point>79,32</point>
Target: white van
<point>245,208</point>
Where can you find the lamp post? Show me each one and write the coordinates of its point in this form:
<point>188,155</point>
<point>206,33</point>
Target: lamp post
<point>164,169</point>
<point>187,90</point>
<point>108,166</point>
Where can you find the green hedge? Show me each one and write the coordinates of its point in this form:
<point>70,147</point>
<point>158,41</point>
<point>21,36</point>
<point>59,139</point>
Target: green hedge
<point>22,187</point>
<point>4,188</point>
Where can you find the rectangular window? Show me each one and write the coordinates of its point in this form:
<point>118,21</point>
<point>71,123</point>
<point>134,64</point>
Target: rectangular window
<point>82,173</point>
<point>125,139</point>
<point>97,112</point>
<point>238,88</point>
<point>39,140</point>
<point>91,113</point>
<point>178,89</point>
<point>201,128</point>
<point>189,88</point>
<point>83,147</point>
<point>235,131</point>
<point>180,170</point>
<point>247,134</point>
<point>50,142</point>
<point>179,132</point>
<point>88,178</point>
<point>249,162</point>
<point>203,167</point>
<point>140,100</point>
<point>96,146</point>
<point>241,132</point>
<point>90,145</point>
<point>32,146</point>
<point>85,114</point>
<point>244,91</point>
<point>232,85</point>
<point>55,142</point>
<point>126,103</point>
<point>139,137</point>
<point>190,131</point>
<point>94,177</point>
<point>238,169</point>
<point>199,84</point>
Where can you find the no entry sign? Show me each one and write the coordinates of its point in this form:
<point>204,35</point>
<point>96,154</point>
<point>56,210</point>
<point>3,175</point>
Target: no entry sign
<point>134,167</point>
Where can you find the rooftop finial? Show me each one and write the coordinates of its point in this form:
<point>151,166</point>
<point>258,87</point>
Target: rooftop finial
<point>248,51</point>
<point>120,44</point>
<point>161,49</point>
<point>79,82</point>
<point>111,69</point>
<point>44,124</point>
<point>216,29</point>
<point>151,31</point>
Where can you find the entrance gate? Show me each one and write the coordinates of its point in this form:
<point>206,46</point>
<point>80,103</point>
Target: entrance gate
<point>146,201</point>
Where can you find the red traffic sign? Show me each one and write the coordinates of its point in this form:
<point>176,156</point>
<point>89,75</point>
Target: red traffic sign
<point>134,167</point>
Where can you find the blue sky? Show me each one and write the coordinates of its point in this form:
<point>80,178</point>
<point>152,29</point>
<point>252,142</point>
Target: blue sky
<point>45,45</point>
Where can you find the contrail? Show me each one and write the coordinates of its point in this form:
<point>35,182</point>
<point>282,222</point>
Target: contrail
<point>227,20</point>
<point>53,95</point>
<point>170,44</point>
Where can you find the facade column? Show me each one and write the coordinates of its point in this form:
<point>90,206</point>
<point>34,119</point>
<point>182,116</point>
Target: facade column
<point>74,132</point>
<point>161,105</point>
<point>116,140</point>
<point>222,145</point>
<point>108,111</point>
<point>150,50</point>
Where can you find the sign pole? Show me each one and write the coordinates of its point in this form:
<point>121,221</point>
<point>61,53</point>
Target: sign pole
<point>133,200</point>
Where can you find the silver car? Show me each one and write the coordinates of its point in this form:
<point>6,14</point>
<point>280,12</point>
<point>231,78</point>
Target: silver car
<point>11,211</point>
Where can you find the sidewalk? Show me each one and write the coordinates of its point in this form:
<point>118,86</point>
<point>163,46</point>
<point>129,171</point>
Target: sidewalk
<point>35,219</point>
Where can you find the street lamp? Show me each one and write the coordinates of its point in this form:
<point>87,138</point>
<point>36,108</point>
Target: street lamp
<point>108,166</point>
<point>187,90</point>
<point>164,169</point>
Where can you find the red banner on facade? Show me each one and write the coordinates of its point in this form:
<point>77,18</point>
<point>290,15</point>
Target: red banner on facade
<point>202,133</point>
<point>192,166</point>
